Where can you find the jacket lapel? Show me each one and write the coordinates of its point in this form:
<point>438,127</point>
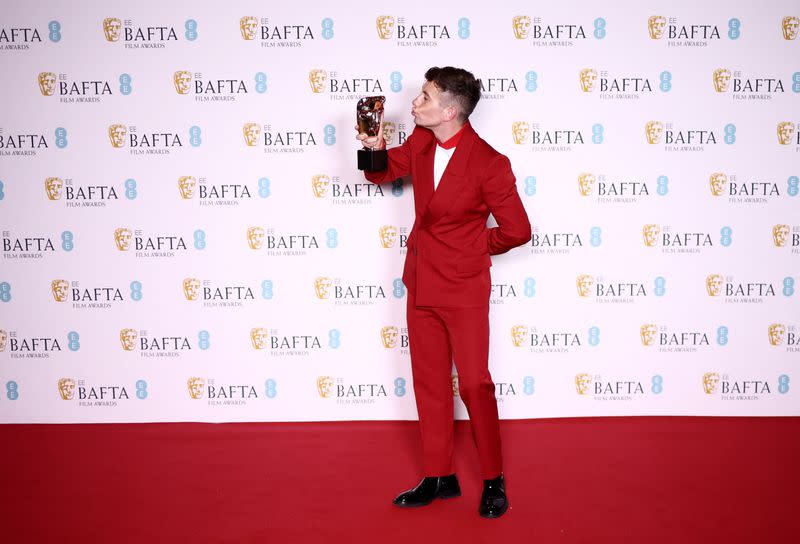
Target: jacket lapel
<point>452,179</point>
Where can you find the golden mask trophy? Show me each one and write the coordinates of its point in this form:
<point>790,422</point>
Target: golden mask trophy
<point>369,115</point>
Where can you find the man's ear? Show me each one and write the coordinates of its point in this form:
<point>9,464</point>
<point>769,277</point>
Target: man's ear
<point>450,113</point>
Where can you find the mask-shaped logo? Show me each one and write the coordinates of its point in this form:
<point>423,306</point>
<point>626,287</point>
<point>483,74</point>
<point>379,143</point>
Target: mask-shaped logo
<point>520,130</point>
<point>187,185</point>
<point>653,130</point>
<point>588,79</point>
<point>251,133</point>
<point>182,80</point>
<point>710,382</point>
<point>248,25</point>
<point>714,284</point>
<point>122,237</point>
<point>325,386</point>
<point>586,183</point>
<point>389,336</point>
<point>191,288</point>
<point>521,25</point>
<point>718,181</point>
<point>582,383</point>
<point>388,236</point>
<point>59,288</point>
<point>255,237</point>
<point>656,25</point>
<point>117,134</point>
<point>53,188</point>
<point>785,132</point>
<point>195,386</point>
<point>776,332</point>
<point>111,28</point>
<point>317,78</point>
<point>780,234</point>
<point>722,80</point>
<point>650,234</point>
<point>648,334</point>
<point>320,184</point>
<point>322,286</point>
<point>259,337</point>
<point>66,388</point>
<point>47,83</point>
<point>518,335</point>
<point>790,25</point>
<point>127,338</point>
<point>385,25</point>
<point>584,282</point>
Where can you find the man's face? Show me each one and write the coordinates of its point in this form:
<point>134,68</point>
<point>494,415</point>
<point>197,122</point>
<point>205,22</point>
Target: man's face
<point>431,107</point>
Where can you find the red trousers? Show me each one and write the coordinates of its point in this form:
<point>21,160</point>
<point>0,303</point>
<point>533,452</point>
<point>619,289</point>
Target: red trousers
<point>437,337</point>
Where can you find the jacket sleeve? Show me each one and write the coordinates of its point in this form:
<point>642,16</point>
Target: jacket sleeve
<point>500,194</point>
<point>399,162</point>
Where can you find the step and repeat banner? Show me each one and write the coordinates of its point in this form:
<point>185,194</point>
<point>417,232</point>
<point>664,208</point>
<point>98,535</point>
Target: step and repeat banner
<point>185,235</point>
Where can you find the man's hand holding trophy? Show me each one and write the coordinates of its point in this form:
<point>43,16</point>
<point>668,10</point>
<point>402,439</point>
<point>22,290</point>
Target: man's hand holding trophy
<point>369,124</point>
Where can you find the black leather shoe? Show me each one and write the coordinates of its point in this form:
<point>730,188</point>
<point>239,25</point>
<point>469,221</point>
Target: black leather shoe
<point>430,488</point>
<point>493,499</point>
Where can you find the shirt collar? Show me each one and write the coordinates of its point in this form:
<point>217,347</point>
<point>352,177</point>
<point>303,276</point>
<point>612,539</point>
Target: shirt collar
<point>453,141</point>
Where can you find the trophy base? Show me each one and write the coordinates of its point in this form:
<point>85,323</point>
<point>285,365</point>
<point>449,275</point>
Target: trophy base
<point>373,160</point>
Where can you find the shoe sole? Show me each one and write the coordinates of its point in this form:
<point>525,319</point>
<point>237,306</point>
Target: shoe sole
<point>494,516</point>
<point>420,505</point>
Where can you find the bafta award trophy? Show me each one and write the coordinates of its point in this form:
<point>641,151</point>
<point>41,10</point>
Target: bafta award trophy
<point>369,115</point>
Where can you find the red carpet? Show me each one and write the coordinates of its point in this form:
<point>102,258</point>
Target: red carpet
<point>569,480</point>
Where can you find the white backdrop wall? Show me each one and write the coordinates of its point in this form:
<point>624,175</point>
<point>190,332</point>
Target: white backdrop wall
<point>190,274</point>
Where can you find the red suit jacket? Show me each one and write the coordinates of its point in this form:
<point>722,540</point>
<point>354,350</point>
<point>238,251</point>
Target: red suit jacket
<point>447,263</point>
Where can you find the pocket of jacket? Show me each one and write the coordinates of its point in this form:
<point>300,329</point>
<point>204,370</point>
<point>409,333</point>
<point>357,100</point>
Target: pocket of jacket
<point>473,265</point>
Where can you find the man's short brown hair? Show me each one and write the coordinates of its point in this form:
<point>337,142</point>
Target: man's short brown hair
<point>460,84</point>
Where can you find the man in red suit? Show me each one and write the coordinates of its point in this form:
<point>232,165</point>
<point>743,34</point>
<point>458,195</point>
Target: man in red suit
<point>458,180</point>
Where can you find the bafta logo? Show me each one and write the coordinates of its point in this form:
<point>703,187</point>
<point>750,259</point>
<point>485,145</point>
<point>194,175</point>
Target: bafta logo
<point>317,79</point>
<point>521,25</point>
<point>191,288</point>
<point>653,130</point>
<point>722,80</point>
<point>47,83</point>
<point>251,133</point>
<point>785,132</point>
<point>454,382</point>
<point>656,25</point>
<point>248,25</point>
<point>259,337</point>
<point>187,185</point>
<point>776,332</point>
<point>710,382</point>
<point>520,131</point>
<point>718,181</point>
<point>320,184</point>
<point>182,79</point>
<point>117,134</point>
<point>582,383</point>
<point>586,183</point>
<point>790,25</point>
<point>584,283</point>
<point>648,334</point>
<point>127,338</point>
<point>780,235</point>
<point>389,129</point>
<point>518,335</point>
<point>59,288</point>
<point>66,388</point>
<point>385,25</point>
<point>322,286</point>
<point>3,339</point>
<point>195,386</point>
<point>714,284</point>
<point>53,188</point>
<point>650,234</point>
<point>588,79</point>
<point>325,386</point>
<point>388,236</point>
<point>122,237</point>
<point>111,28</point>
<point>389,336</point>
<point>255,237</point>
